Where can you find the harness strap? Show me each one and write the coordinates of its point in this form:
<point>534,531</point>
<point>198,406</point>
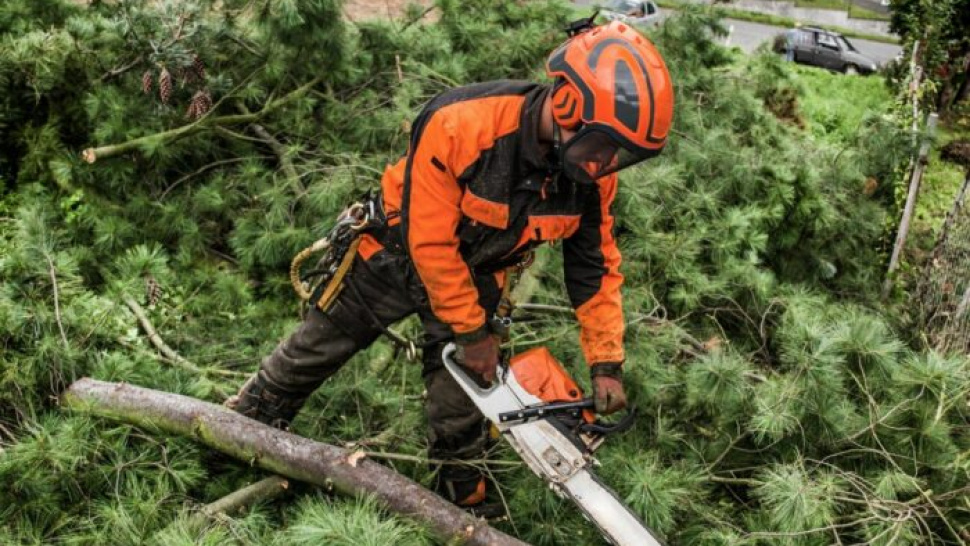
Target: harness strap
<point>335,284</point>
<point>502,319</point>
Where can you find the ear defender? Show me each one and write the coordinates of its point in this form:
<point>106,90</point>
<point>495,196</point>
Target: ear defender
<point>566,105</point>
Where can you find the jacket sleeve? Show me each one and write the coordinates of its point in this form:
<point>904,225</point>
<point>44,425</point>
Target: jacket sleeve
<point>430,216</point>
<point>593,279</point>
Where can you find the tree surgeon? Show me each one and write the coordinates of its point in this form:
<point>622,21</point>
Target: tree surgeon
<point>492,171</point>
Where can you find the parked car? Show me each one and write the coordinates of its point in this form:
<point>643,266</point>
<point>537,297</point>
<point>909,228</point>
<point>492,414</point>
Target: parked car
<point>634,12</point>
<point>827,49</point>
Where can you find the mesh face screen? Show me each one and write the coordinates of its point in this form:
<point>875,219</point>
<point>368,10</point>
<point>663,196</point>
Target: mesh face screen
<point>592,154</point>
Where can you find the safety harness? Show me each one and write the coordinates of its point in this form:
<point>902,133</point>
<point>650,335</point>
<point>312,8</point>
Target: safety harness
<point>327,280</point>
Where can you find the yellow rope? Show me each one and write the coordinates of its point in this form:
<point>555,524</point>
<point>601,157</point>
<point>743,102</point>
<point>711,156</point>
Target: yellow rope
<point>298,260</point>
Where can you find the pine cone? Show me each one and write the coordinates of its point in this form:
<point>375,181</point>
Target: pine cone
<point>165,85</point>
<point>200,105</point>
<point>199,67</point>
<point>146,82</point>
<point>153,290</point>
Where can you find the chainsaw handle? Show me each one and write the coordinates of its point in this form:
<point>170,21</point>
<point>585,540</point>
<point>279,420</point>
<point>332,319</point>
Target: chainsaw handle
<point>449,356</point>
<point>601,428</point>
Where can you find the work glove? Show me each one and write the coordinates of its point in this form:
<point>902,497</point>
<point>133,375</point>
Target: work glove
<point>481,356</point>
<point>608,392</point>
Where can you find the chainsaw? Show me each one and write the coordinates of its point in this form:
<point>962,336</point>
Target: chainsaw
<point>539,409</point>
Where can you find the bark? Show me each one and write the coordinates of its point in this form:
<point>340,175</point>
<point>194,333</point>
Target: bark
<point>282,453</point>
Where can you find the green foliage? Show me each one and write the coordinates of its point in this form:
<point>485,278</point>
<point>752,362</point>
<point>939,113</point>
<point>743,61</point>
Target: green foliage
<point>796,501</point>
<point>778,404</point>
<point>361,522</point>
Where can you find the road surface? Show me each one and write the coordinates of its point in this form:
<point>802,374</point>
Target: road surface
<point>748,36</point>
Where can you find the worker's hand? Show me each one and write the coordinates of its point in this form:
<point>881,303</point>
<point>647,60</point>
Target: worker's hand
<point>481,356</point>
<point>608,394</point>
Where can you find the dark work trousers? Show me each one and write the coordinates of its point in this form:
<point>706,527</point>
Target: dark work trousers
<point>389,287</point>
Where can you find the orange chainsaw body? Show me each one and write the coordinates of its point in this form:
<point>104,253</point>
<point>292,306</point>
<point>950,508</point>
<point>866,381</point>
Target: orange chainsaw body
<point>544,377</point>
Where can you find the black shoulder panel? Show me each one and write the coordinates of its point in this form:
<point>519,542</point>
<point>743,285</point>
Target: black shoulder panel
<point>583,260</point>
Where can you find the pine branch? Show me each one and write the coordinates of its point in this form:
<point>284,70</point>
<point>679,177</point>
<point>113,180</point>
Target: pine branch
<point>205,168</point>
<point>260,491</point>
<point>279,149</point>
<point>747,482</point>
<point>115,72</point>
<point>57,302</point>
<point>91,155</point>
<point>235,502</point>
<point>167,352</point>
<point>417,18</point>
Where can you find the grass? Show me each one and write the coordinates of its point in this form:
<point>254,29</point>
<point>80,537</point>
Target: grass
<point>835,105</point>
<point>821,4</point>
<point>857,12</point>
<point>939,187</point>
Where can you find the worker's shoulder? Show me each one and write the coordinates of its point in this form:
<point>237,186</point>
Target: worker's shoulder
<point>494,106</point>
<point>466,95</point>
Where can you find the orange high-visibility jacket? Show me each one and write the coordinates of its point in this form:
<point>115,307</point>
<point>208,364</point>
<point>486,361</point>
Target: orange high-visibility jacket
<point>473,194</point>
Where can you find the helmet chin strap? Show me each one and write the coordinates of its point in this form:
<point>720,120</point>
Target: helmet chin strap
<point>556,151</point>
<point>554,160</point>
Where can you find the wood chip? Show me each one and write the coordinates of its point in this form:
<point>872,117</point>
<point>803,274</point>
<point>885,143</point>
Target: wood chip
<point>355,458</point>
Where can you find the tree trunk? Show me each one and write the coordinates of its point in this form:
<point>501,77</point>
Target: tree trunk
<point>964,90</point>
<point>281,452</point>
<point>918,167</point>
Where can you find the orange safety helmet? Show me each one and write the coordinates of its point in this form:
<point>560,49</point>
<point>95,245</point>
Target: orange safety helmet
<point>613,88</point>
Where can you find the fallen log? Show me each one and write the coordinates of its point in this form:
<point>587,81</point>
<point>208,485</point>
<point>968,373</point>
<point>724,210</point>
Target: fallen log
<point>282,453</point>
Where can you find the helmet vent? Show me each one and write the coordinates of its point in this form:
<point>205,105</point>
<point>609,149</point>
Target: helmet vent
<point>626,101</point>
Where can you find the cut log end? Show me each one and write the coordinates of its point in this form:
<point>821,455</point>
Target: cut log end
<point>89,155</point>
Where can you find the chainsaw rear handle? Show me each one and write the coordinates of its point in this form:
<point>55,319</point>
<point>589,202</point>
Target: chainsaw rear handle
<point>602,428</point>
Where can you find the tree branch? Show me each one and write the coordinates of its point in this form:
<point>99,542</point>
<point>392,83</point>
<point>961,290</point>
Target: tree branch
<point>57,300</point>
<point>91,155</point>
<point>167,352</point>
<point>114,72</point>
<point>282,453</point>
<point>286,164</point>
<point>260,491</point>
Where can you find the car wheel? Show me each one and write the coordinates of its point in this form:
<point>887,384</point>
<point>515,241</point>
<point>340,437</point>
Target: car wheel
<point>851,69</point>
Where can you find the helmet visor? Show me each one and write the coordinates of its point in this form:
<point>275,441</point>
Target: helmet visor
<point>593,153</point>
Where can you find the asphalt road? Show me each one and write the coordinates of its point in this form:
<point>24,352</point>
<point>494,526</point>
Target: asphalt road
<point>748,36</point>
